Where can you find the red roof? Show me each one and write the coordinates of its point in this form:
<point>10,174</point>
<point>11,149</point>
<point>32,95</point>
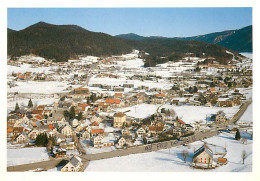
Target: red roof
<point>51,126</point>
<point>37,111</point>
<point>180,121</point>
<point>118,94</point>
<point>222,160</point>
<point>39,116</point>
<point>160,95</point>
<point>112,101</point>
<point>10,129</point>
<point>95,124</point>
<point>96,131</point>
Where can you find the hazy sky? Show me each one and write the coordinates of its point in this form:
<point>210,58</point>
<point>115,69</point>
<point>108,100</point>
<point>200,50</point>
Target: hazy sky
<point>170,22</point>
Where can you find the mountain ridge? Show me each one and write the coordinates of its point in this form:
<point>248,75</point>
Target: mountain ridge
<point>61,42</point>
<point>226,38</point>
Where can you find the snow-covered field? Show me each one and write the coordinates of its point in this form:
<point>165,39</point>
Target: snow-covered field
<point>43,101</point>
<point>137,83</point>
<point>188,114</point>
<point>45,87</point>
<point>135,63</point>
<point>247,54</point>
<point>247,117</point>
<point>170,160</point>
<point>28,68</point>
<point>26,155</point>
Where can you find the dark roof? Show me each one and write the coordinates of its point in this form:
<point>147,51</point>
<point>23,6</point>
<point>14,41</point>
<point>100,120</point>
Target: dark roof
<point>204,147</point>
<point>74,161</point>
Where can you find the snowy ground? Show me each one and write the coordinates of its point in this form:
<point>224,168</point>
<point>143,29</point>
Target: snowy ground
<point>170,160</point>
<point>184,112</point>
<point>247,54</point>
<point>135,63</point>
<point>26,155</point>
<point>92,150</point>
<point>45,87</point>
<point>44,101</point>
<point>28,68</point>
<point>247,117</point>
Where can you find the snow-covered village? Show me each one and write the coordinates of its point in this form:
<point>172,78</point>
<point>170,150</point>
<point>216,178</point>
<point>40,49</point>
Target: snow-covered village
<point>89,113</point>
<point>146,94</point>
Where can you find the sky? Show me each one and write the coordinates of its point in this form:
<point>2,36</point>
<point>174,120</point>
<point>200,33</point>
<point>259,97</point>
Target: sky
<point>168,22</point>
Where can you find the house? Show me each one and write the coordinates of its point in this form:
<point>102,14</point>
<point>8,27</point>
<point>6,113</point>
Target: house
<point>22,138</point>
<point>119,120</point>
<point>68,145</point>
<point>114,102</point>
<point>34,133</point>
<point>73,165</point>
<point>98,141</point>
<point>59,153</point>
<point>159,98</point>
<point>141,132</point>
<point>203,155</point>
<point>85,134</point>
<point>221,117</point>
<point>154,130</point>
<point>124,140</point>
<point>96,118</point>
<point>225,102</point>
<point>125,131</point>
<point>60,138</point>
<point>67,131</point>
<point>74,123</point>
<point>179,123</point>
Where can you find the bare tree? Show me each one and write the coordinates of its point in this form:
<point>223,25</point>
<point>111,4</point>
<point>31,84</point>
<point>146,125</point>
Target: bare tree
<point>243,155</point>
<point>184,154</point>
<point>195,161</point>
<point>209,160</point>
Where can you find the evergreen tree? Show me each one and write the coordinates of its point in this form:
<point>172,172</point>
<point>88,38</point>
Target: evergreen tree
<point>30,104</point>
<point>72,112</point>
<point>17,108</point>
<point>237,137</point>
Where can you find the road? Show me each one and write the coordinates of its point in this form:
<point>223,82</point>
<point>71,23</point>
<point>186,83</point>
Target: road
<point>134,150</point>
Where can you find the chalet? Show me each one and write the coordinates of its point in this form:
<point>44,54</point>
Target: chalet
<point>119,120</point>
<point>60,153</point>
<point>125,131</point>
<point>225,102</point>
<point>221,117</point>
<point>155,130</point>
<point>22,138</point>
<point>85,134</point>
<point>203,155</point>
<point>124,140</point>
<point>67,131</point>
<point>113,102</point>
<point>67,145</point>
<point>140,132</point>
<point>98,141</point>
<point>60,138</point>
<point>34,133</point>
<point>159,98</point>
<point>73,165</point>
<point>179,123</point>
<point>96,118</point>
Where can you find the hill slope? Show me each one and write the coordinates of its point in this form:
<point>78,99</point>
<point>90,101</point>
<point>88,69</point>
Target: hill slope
<point>238,40</point>
<point>62,42</point>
